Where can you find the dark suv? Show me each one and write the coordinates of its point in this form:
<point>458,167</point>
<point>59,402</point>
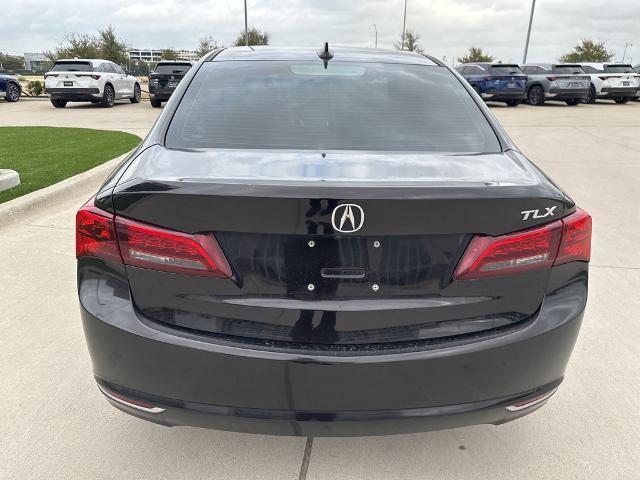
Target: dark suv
<point>164,79</point>
<point>497,82</point>
<point>325,243</point>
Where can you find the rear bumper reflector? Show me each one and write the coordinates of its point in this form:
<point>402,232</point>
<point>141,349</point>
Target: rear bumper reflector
<point>131,402</point>
<point>530,402</point>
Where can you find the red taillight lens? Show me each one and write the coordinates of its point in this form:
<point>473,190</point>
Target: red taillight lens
<point>104,235</point>
<point>50,75</point>
<point>156,248</point>
<point>96,234</point>
<point>555,243</point>
<point>576,238</point>
<point>552,79</point>
<point>490,256</point>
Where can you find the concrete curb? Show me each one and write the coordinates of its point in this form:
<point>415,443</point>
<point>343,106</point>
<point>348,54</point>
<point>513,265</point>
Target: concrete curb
<point>81,185</point>
<point>8,179</point>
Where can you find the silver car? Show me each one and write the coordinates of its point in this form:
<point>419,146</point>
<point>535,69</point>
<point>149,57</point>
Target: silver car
<point>562,82</point>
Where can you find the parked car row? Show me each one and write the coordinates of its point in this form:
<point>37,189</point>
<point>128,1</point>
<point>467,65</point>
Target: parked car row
<point>536,83</point>
<point>103,82</point>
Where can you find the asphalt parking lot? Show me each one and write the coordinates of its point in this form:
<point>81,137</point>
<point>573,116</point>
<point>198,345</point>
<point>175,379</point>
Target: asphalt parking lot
<point>54,423</point>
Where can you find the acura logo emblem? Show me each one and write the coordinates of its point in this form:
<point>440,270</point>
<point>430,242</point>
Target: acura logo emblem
<point>347,218</point>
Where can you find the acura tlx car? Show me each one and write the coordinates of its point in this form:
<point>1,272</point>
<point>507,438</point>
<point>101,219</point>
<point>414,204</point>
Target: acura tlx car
<point>329,242</point>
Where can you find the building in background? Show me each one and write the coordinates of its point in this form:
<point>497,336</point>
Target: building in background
<point>36,62</point>
<point>155,54</point>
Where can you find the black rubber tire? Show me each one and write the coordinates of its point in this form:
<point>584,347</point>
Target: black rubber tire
<point>591,98</point>
<point>513,103</point>
<point>535,96</point>
<point>137,93</point>
<point>622,100</point>
<point>108,96</point>
<point>573,102</point>
<point>156,103</point>
<point>58,103</point>
<point>13,93</point>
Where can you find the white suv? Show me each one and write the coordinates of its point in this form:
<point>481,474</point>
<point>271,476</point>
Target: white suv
<point>615,81</point>
<point>95,81</point>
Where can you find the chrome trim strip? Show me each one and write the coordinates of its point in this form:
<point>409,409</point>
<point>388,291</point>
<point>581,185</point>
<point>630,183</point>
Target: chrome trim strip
<point>514,408</point>
<point>124,402</point>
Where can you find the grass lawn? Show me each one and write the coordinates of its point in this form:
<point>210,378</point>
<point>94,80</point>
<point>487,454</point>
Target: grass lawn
<point>46,155</point>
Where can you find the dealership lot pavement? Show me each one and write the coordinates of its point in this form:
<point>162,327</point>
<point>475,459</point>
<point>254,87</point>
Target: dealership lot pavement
<point>54,423</point>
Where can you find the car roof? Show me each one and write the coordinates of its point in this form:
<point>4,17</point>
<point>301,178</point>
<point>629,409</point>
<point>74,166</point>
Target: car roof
<point>340,54</point>
<point>489,64</point>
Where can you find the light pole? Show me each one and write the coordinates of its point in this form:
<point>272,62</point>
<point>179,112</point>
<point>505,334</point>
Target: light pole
<point>404,23</point>
<point>526,46</point>
<point>376,29</point>
<point>624,54</point>
<point>246,27</point>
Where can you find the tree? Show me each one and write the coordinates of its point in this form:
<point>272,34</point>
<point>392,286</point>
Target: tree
<point>111,47</point>
<point>11,62</point>
<point>206,45</point>
<point>475,54</point>
<point>256,37</point>
<point>169,54</point>
<point>410,42</point>
<point>588,51</point>
<point>81,45</point>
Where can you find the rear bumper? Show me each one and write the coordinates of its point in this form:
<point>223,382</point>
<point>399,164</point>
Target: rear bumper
<point>199,381</point>
<point>163,94</point>
<point>501,96</point>
<point>618,92</point>
<point>567,93</point>
<point>74,94</point>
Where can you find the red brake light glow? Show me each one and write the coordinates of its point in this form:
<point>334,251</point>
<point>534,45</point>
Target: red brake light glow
<point>555,243</point>
<point>104,235</point>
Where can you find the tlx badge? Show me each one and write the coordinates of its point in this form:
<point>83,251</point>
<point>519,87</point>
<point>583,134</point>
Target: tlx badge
<point>535,214</point>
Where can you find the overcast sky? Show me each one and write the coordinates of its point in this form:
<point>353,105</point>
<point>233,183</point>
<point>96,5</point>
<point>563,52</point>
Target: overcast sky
<point>447,27</point>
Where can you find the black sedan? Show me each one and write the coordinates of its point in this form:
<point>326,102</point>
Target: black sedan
<point>326,243</point>
<point>164,79</point>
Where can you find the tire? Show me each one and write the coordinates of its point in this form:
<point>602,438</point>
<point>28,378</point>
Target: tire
<point>591,98</point>
<point>573,102</point>
<point>156,103</point>
<point>535,96</point>
<point>108,97</point>
<point>622,100</point>
<point>58,103</point>
<point>13,93</point>
<point>513,103</point>
<point>136,94</point>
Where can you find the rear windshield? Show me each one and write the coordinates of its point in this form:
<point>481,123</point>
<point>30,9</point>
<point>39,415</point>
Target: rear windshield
<point>347,106</point>
<point>505,70</point>
<point>170,68</point>
<point>72,67</point>
<point>568,69</point>
<point>619,69</point>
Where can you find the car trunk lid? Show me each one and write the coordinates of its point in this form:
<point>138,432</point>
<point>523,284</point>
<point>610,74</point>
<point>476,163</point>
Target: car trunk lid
<point>342,249</point>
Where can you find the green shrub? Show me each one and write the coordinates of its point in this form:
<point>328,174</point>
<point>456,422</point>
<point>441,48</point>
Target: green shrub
<point>35,88</point>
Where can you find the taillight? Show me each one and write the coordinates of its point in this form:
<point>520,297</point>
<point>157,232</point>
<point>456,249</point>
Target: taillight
<point>96,234</point>
<point>50,75</point>
<point>92,75</point>
<point>609,76</point>
<point>152,247</point>
<point>555,243</point>
<point>552,79</point>
<point>488,78</point>
<point>576,238</point>
<point>104,235</point>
